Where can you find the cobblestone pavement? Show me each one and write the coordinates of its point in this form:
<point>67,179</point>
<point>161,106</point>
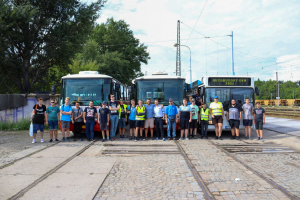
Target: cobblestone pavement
<point>284,169</point>
<point>220,172</point>
<point>150,177</point>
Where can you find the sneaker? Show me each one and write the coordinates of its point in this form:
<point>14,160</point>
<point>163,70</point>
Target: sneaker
<point>50,140</point>
<point>68,139</point>
<point>42,140</point>
<point>220,138</point>
<point>180,138</point>
<point>262,139</point>
<point>258,138</point>
<point>143,138</point>
<point>81,139</point>
<point>190,136</point>
<point>74,140</point>
<point>124,137</point>
<point>93,140</point>
<point>157,138</point>
<point>63,139</point>
<point>232,137</point>
<point>130,138</point>
<point>152,138</point>
<point>169,138</point>
<point>186,138</point>
<point>135,139</point>
<point>206,137</point>
<point>202,137</point>
<point>195,137</point>
<point>238,138</point>
<point>103,140</point>
<point>164,139</point>
<point>246,137</point>
<point>56,140</point>
<point>216,138</point>
<point>33,141</point>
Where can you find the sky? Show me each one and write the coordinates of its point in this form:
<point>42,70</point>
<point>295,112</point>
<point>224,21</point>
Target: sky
<point>265,35</point>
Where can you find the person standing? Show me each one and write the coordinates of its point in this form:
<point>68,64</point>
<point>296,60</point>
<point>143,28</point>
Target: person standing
<point>197,97</point>
<point>122,118</point>
<point>66,112</point>
<point>248,118</point>
<point>216,111</point>
<point>171,113</point>
<point>140,114</point>
<point>194,123</point>
<point>38,119</point>
<point>190,101</point>
<point>259,120</point>
<point>114,116</point>
<point>131,112</point>
<point>185,116</point>
<point>77,120</point>
<point>159,120</point>
<point>204,113</point>
<point>149,122</point>
<point>234,116</point>
<point>103,120</point>
<point>52,119</point>
<point>89,115</point>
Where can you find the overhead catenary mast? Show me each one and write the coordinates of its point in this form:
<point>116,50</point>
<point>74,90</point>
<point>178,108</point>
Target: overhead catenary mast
<point>178,59</point>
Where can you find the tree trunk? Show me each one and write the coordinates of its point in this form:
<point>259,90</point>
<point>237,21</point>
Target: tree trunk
<point>26,76</point>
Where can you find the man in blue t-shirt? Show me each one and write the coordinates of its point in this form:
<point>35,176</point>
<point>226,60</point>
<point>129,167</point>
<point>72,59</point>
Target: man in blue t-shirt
<point>170,116</point>
<point>185,116</point>
<point>114,116</point>
<point>66,112</point>
<point>103,120</point>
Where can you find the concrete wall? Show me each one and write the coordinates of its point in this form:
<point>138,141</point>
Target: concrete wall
<point>16,114</point>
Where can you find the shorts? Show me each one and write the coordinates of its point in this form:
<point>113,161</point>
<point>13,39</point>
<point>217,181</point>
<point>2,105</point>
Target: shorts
<point>37,127</point>
<point>247,122</point>
<point>132,123</point>
<point>184,124</point>
<point>234,123</point>
<point>149,123</point>
<point>217,120</point>
<point>103,126</point>
<point>122,123</point>
<point>65,124</point>
<point>139,123</point>
<point>194,124</point>
<point>53,125</point>
<point>259,124</point>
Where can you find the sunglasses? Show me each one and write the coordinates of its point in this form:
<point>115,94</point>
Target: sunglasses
<point>52,102</point>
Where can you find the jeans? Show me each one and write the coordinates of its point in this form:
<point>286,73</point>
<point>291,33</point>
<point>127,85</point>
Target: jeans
<point>204,125</point>
<point>173,125</point>
<point>78,129</point>
<point>53,125</point>
<point>159,125</point>
<point>37,127</point>
<point>113,125</point>
<point>89,125</point>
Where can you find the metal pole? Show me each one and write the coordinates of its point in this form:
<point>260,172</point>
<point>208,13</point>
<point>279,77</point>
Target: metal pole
<point>271,100</point>
<point>190,66</point>
<point>232,60</point>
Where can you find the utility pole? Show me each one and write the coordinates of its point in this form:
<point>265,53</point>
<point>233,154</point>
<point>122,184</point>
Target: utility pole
<point>178,59</point>
<point>232,60</point>
<point>271,99</point>
<point>277,88</point>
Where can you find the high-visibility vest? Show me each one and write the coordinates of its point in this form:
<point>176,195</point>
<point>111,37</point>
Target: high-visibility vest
<point>140,110</point>
<point>120,110</point>
<point>204,115</point>
<point>216,108</point>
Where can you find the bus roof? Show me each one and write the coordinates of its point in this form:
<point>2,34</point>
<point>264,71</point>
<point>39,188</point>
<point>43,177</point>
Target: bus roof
<point>155,77</point>
<point>87,75</point>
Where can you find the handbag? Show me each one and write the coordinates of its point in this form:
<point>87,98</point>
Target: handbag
<point>31,130</point>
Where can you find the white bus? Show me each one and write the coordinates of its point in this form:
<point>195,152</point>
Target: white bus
<point>227,88</point>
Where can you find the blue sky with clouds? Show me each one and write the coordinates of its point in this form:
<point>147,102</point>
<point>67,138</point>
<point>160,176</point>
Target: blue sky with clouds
<point>266,35</point>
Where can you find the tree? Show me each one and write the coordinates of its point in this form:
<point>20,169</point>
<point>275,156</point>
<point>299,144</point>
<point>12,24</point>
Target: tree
<point>116,51</point>
<point>37,35</point>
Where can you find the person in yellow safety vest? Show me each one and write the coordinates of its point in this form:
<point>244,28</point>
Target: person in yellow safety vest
<point>216,111</point>
<point>140,113</point>
<point>203,120</point>
<point>122,118</point>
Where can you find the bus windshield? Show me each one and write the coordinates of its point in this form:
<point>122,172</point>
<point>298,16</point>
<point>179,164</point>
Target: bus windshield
<point>85,90</point>
<point>162,90</point>
<point>226,94</point>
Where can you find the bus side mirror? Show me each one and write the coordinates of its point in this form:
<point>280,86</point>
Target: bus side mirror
<point>188,88</point>
<point>202,91</point>
<point>130,90</point>
<point>117,87</point>
<point>256,91</point>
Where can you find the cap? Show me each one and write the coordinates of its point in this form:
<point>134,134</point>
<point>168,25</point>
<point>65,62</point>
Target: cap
<point>216,97</point>
<point>193,99</point>
<point>104,102</point>
<point>170,99</point>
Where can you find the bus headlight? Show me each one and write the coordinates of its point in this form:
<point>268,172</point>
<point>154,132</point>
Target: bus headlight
<point>210,122</point>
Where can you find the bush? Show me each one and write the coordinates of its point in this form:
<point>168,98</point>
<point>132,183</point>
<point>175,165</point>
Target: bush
<point>23,124</point>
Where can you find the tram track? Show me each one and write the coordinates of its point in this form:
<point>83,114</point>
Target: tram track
<point>46,175</point>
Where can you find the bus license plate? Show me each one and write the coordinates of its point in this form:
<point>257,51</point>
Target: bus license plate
<point>165,126</point>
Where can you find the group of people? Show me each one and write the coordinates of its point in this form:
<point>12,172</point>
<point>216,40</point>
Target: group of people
<point>189,116</point>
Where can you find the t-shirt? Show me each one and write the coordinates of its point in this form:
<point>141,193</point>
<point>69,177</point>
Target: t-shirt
<point>76,112</point>
<point>195,110</point>
<point>197,98</point>
<point>90,113</point>
<point>185,112</point>
<point>113,105</point>
<point>52,113</point>
<point>189,103</point>
<point>132,112</point>
<point>259,113</point>
<point>39,116</point>
<point>122,111</point>
<point>150,110</point>
<point>103,114</point>
<point>65,108</point>
<point>248,110</point>
<point>234,112</point>
<point>171,111</point>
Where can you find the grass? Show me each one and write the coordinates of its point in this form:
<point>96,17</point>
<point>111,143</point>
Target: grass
<point>23,124</point>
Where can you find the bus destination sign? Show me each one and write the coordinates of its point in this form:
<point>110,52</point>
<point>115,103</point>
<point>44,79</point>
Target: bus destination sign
<point>218,81</point>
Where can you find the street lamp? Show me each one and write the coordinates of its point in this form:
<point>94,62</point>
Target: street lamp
<point>175,45</point>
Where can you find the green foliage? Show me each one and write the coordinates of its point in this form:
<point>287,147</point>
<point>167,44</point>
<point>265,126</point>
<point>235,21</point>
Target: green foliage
<point>35,36</point>
<point>286,89</point>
